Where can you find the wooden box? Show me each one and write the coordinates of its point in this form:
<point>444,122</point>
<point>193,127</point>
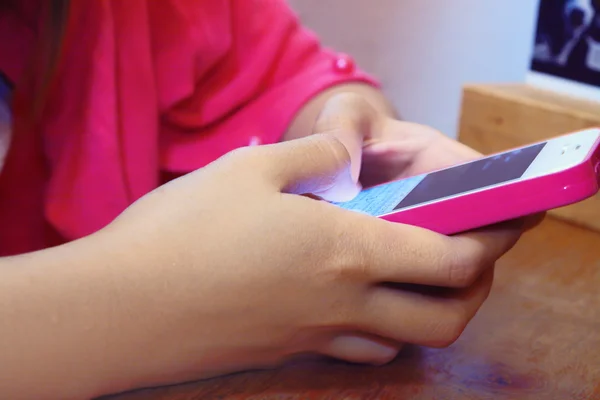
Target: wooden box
<point>499,117</point>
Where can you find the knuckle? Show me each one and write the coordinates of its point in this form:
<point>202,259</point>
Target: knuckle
<point>335,123</point>
<point>237,161</point>
<point>246,163</point>
<point>343,112</point>
<point>239,165</point>
<point>330,144</point>
<point>342,312</point>
<point>448,329</point>
<point>332,262</point>
<point>461,273</point>
<point>348,256</point>
<point>242,154</point>
<point>349,266</point>
<point>462,269</point>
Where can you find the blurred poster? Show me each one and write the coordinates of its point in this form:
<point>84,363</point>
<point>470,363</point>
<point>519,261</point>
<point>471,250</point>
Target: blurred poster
<point>566,53</point>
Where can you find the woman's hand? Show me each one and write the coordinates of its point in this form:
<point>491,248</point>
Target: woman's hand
<point>228,268</point>
<point>390,149</point>
<point>256,274</point>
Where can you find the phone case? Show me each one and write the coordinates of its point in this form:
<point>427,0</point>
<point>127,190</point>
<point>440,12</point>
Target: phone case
<point>507,202</point>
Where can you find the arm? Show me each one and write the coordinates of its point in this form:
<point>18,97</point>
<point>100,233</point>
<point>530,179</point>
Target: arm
<point>144,302</point>
<point>67,326</point>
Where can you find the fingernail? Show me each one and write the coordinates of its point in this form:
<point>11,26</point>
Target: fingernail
<point>340,194</point>
<point>344,190</point>
<point>359,349</point>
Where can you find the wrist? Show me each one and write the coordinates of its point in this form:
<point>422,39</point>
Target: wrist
<point>54,312</point>
<point>89,307</point>
<point>163,334</point>
<point>148,336</point>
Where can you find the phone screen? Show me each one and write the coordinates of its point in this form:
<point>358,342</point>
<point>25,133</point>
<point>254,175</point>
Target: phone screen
<point>479,174</point>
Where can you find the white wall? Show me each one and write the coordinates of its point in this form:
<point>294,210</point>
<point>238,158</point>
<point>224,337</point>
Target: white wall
<point>425,50</point>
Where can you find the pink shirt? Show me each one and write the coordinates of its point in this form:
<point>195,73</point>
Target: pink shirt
<point>147,90</point>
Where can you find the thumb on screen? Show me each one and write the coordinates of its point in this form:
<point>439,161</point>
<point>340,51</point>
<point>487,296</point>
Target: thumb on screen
<point>317,164</point>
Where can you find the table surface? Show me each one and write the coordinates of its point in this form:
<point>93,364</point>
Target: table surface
<point>537,337</point>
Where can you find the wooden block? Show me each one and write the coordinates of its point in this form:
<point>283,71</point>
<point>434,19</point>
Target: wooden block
<point>499,117</point>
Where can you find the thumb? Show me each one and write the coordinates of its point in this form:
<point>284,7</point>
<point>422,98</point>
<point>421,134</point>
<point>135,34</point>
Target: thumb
<point>351,118</point>
<point>317,164</point>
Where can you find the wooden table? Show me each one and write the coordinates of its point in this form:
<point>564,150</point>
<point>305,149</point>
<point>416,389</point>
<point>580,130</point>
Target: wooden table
<point>537,337</point>
<point>498,117</point>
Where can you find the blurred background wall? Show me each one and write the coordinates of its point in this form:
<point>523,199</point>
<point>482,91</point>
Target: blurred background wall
<point>425,50</point>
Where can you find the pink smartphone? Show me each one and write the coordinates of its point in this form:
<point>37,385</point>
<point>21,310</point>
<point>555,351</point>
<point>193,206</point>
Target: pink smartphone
<point>523,181</point>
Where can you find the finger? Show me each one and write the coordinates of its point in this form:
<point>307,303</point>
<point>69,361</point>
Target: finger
<point>413,317</point>
<point>488,244</point>
<point>404,153</point>
<point>350,118</point>
<point>409,149</point>
<point>317,164</point>
<point>360,349</point>
<point>383,251</point>
<point>414,131</point>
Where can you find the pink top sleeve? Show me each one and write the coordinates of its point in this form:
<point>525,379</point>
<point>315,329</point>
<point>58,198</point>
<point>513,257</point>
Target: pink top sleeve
<point>255,68</point>
<point>145,88</point>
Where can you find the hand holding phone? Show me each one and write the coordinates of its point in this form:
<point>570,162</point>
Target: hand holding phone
<point>504,186</point>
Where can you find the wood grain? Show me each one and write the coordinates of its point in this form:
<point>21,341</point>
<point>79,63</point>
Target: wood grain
<point>537,337</point>
<point>499,117</point>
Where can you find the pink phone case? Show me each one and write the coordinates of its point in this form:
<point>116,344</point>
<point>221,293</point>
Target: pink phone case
<point>509,201</point>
